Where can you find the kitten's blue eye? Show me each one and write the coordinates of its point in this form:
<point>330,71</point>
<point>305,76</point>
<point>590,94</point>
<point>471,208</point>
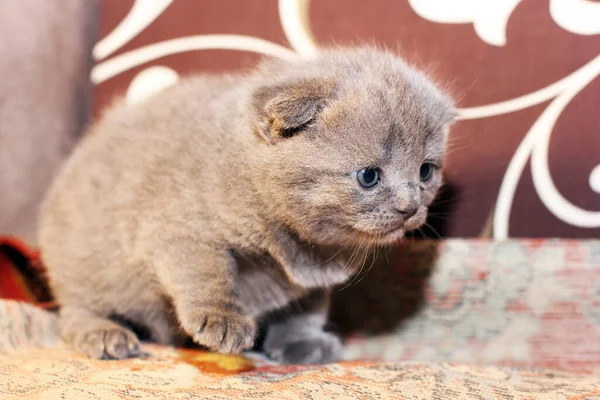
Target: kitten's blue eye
<point>426,171</point>
<point>368,177</point>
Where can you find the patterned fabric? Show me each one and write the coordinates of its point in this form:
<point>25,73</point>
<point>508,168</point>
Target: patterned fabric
<point>28,371</point>
<point>451,319</point>
<point>524,159</point>
<point>526,303</point>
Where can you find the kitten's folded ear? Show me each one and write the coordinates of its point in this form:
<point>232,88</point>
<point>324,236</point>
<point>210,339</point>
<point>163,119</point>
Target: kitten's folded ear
<point>283,110</point>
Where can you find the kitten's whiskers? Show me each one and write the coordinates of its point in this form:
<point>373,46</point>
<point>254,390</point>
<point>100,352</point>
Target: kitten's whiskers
<point>367,250</point>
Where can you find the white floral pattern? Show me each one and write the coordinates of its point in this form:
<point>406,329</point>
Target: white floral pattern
<point>489,20</point>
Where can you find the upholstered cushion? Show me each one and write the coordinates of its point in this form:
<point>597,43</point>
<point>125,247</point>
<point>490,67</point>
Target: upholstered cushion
<point>33,364</point>
<point>525,159</point>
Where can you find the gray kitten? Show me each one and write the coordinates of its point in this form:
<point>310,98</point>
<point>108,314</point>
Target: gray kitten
<point>231,200</point>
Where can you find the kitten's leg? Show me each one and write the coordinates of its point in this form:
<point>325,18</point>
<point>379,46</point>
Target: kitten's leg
<point>296,335</point>
<point>97,336</point>
<point>201,282</point>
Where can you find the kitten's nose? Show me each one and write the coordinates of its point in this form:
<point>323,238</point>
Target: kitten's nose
<point>407,200</point>
<point>407,212</point>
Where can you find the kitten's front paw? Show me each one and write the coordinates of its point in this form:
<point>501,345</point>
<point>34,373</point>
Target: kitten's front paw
<point>321,349</point>
<point>225,332</point>
<point>109,343</point>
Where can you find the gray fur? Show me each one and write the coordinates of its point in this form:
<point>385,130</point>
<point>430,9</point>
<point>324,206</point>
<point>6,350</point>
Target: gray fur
<point>229,197</point>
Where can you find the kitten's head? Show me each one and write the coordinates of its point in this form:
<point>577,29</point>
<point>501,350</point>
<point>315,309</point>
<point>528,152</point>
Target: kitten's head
<point>353,145</point>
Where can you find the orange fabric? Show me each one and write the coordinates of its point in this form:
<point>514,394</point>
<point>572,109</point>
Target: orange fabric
<point>22,275</point>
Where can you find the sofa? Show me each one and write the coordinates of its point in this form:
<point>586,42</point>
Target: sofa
<point>496,298</point>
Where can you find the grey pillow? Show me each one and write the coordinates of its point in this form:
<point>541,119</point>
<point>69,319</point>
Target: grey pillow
<point>45,60</point>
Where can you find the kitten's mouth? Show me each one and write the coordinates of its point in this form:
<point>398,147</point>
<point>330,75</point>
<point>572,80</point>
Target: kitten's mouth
<point>393,229</point>
<point>384,235</point>
<point>390,233</point>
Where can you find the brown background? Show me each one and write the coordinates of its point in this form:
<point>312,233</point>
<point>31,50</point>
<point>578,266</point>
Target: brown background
<point>538,52</point>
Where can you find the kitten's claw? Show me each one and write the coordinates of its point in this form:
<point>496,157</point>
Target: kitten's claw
<point>225,333</point>
<point>110,343</point>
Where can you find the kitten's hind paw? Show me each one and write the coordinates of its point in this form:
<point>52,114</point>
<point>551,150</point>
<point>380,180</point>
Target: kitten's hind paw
<point>321,349</point>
